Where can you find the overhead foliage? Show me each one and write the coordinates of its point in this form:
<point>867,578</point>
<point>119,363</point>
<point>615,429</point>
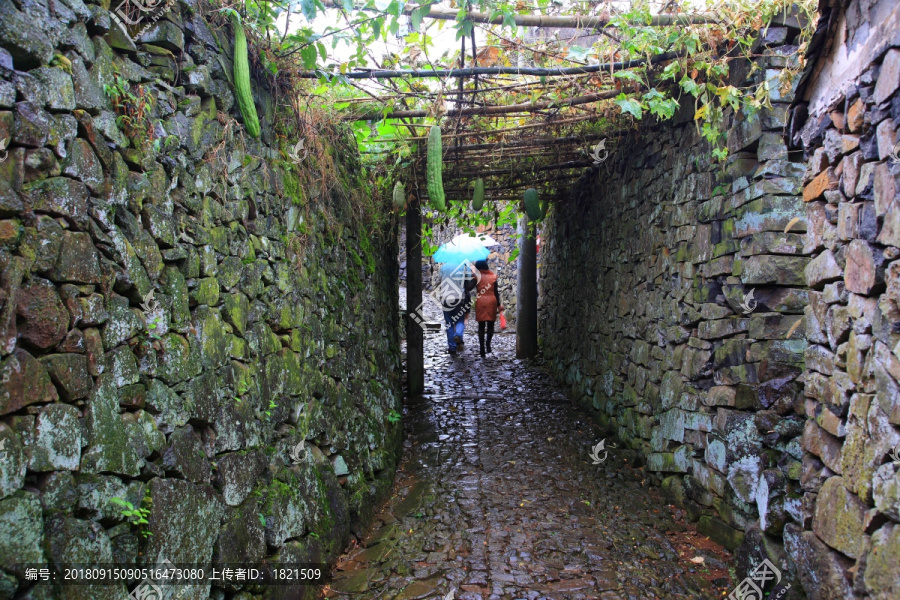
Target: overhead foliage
<point>520,131</point>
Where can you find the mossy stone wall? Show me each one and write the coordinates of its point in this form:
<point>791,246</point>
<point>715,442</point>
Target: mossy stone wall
<point>646,315</point>
<point>176,318</point>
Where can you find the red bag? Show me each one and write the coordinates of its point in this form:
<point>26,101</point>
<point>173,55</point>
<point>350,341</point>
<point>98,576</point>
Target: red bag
<point>502,321</point>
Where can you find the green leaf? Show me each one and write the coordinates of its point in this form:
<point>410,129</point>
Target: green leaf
<point>630,75</point>
<point>122,502</point>
<point>308,55</point>
<point>308,8</point>
<point>659,105</point>
<point>417,16</point>
<point>671,70</point>
<point>578,52</point>
<point>629,105</point>
<point>323,52</point>
<point>690,86</point>
<point>376,27</point>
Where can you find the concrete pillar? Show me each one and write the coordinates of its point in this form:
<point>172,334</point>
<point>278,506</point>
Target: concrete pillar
<point>526,296</point>
<point>415,333</point>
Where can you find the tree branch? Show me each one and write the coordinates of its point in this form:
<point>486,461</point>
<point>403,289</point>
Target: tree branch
<point>489,110</point>
<point>536,71</point>
<point>573,21</point>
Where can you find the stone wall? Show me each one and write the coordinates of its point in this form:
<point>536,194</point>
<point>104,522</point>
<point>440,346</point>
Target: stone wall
<point>848,541</point>
<point>776,427</point>
<point>673,296</point>
<point>176,318</point>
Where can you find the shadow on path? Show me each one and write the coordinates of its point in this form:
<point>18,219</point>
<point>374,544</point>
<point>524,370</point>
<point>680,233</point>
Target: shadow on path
<point>497,497</point>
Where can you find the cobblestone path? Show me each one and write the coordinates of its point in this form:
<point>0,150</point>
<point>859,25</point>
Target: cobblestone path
<point>497,497</point>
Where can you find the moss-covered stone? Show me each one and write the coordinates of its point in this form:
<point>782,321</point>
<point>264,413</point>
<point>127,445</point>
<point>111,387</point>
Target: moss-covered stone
<point>721,533</point>
<point>206,292</point>
<point>21,530</point>
<point>23,381</point>
<point>56,441</point>
<point>109,446</point>
<point>236,311</point>
<point>76,541</point>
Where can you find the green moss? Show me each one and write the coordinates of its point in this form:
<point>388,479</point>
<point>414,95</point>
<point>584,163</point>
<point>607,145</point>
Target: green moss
<point>324,525</point>
<point>292,187</point>
<point>366,246</point>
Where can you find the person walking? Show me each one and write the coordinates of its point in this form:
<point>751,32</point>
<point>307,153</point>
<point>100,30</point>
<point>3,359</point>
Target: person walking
<point>487,305</point>
<point>456,301</point>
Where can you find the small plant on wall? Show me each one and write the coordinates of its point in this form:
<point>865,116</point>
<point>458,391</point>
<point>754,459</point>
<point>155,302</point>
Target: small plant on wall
<point>136,516</point>
<point>133,106</point>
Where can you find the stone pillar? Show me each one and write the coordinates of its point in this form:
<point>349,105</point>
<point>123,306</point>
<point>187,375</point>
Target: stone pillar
<point>415,334</point>
<point>526,318</point>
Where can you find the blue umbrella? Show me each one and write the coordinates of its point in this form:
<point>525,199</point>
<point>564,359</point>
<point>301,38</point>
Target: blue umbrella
<point>461,249</point>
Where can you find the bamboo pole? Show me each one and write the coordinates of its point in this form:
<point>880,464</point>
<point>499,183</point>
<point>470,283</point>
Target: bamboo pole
<point>572,164</point>
<point>490,110</point>
<point>566,21</point>
<point>543,124</point>
<point>471,71</point>
<point>520,147</point>
<point>415,336</point>
<point>515,186</point>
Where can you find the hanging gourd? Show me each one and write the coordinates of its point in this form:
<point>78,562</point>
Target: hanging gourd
<point>399,195</point>
<point>242,77</point>
<point>478,195</point>
<point>433,169</point>
<point>532,204</point>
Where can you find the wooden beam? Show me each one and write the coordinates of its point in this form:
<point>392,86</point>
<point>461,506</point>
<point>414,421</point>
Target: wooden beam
<point>472,71</point>
<point>529,142</point>
<point>459,193</point>
<point>526,291</point>
<point>543,125</point>
<point>567,21</point>
<point>491,110</point>
<point>572,164</point>
<point>415,333</point>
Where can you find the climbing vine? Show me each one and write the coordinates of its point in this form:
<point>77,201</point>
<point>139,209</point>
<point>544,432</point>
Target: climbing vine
<point>524,104</point>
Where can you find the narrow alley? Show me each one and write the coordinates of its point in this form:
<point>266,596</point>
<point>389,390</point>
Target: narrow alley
<point>497,497</point>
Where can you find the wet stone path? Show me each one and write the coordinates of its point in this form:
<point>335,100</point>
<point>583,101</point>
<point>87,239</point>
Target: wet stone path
<point>497,497</point>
